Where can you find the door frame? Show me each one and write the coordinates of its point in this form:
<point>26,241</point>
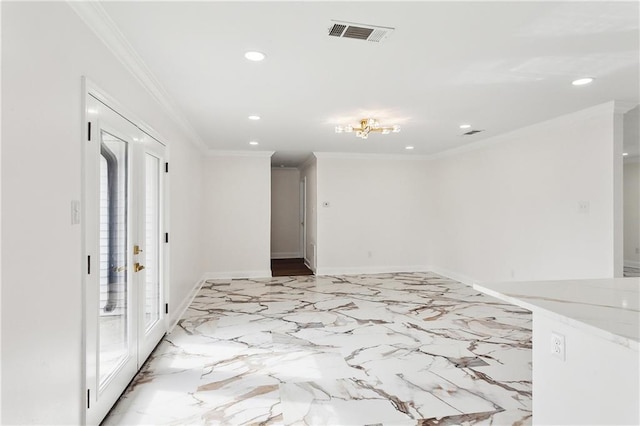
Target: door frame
<point>89,88</point>
<point>303,217</point>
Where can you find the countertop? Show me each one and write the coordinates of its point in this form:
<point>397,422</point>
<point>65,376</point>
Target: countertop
<point>609,308</point>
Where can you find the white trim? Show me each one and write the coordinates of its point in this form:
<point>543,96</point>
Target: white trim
<point>369,156</point>
<point>178,312</point>
<point>287,255</point>
<point>95,91</point>
<point>454,275</point>
<point>236,274</point>
<point>632,263</point>
<point>310,161</point>
<point>308,265</point>
<point>292,169</point>
<point>221,153</point>
<point>623,107</point>
<point>371,270</point>
<point>99,21</point>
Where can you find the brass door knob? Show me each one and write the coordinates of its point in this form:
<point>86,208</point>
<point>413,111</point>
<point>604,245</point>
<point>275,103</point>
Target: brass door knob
<point>138,267</point>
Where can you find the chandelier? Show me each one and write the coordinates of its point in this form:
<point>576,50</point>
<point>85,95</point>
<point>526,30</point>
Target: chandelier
<point>368,125</point>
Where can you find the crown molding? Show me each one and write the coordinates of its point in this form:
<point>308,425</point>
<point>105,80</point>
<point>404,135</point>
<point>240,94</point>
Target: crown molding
<point>369,156</point>
<point>220,153</point>
<point>622,107</point>
<point>99,21</point>
<point>311,160</point>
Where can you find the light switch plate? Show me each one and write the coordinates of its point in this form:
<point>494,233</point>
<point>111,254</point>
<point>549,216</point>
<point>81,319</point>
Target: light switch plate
<point>75,212</point>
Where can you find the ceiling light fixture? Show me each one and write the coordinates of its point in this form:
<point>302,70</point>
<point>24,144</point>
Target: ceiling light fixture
<point>624,154</point>
<point>253,143</point>
<point>255,56</point>
<point>465,126</point>
<point>582,81</point>
<point>254,117</point>
<point>368,125</point>
<point>408,147</point>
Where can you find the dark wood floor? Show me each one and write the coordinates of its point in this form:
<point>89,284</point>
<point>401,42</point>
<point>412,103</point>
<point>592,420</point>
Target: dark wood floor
<point>289,268</point>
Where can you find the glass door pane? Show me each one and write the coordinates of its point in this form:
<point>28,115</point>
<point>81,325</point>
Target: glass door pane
<point>152,242</point>
<point>113,328</point>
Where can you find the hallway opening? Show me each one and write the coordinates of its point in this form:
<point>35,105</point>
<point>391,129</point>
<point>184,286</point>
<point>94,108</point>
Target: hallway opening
<point>289,268</point>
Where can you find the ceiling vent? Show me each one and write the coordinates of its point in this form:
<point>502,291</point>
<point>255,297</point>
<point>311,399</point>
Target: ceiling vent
<point>366,32</point>
<point>472,132</point>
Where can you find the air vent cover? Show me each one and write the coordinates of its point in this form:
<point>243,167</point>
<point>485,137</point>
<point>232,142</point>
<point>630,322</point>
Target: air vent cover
<point>366,32</point>
<point>472,132</point>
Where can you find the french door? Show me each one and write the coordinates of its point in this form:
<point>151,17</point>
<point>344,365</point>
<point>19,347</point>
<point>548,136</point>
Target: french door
<point>123,222</point>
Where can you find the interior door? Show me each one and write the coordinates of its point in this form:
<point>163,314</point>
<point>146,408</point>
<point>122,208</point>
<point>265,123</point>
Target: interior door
<point>303,217</point>
<point>123,221</point>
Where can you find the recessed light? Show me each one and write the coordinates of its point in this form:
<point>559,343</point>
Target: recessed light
<point>624,154</point>
<point>254,117</point>
<point>582,81</point>
<point>465,126</point>
<point>255,56</point>
<point>253,143</point>
<point>408,147</point>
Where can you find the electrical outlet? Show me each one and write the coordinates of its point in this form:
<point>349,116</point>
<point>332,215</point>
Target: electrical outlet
<point>583,207</point>
<point>558,346</point>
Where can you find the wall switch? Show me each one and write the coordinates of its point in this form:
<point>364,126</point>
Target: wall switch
<point>558,346</point>
<point>637,250</point>
<point>75,212</point>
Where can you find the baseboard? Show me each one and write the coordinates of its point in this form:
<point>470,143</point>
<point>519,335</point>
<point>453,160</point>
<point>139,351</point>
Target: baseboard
<point>308,265</point>
<point>178,312</point>
<point>632,264</point>
<point>454,275</point>
<point>286,255</point>
<point>370,270</point>
<point>237,274</point>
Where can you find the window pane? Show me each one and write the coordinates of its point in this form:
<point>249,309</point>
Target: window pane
<point>113,330</point>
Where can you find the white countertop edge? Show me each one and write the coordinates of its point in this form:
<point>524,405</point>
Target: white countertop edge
<point>607,335</point>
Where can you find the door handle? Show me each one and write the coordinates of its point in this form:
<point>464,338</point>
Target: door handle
<point>138,267</point>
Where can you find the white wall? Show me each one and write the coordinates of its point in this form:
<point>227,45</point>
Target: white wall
<point>308,172</point>
<point>632,212</point>
<point>285,213</point>
<point>508,208</point>
<point>237,215</point>
<point>375,221</point>
<point>46,49</point>
<point>589,386</point>
<point>186,241</point>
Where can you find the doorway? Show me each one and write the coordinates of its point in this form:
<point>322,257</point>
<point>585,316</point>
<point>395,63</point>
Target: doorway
<point>288,222</point>
<point>124,290</point>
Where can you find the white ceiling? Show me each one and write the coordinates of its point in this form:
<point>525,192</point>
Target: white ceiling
<point>496,65</point>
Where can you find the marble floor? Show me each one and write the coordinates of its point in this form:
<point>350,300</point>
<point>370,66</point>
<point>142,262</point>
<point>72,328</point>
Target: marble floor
<point>385,349</point>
